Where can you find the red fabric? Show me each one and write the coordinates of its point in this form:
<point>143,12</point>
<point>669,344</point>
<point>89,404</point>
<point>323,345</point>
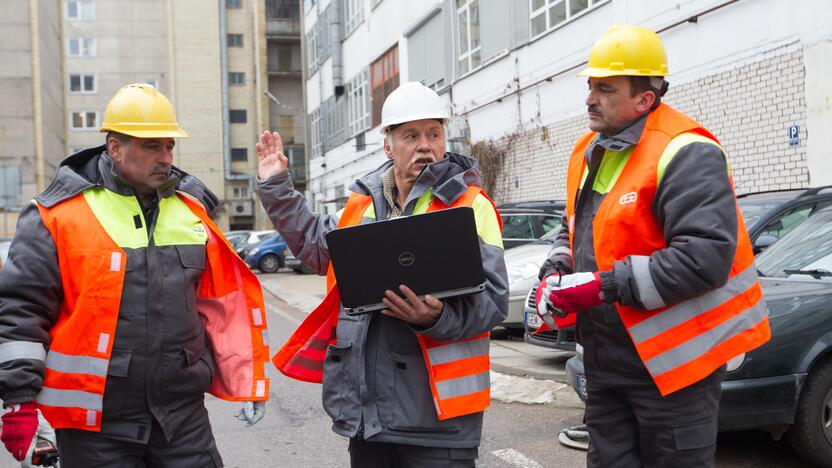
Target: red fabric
<point>579,297</point>
<point>555,323</point>
<point>19,427</point>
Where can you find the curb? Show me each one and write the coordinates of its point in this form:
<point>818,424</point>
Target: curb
<point>521,372</point>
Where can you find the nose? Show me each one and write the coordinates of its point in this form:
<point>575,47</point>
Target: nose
<point>166,157</point>
<point>424,145</point>
<point>591,99</point>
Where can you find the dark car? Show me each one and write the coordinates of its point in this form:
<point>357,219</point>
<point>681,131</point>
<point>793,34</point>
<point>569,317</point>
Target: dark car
<point>268,255</point>
<point>785,385</point>
<point>526,221</point>
<point>768,217</point>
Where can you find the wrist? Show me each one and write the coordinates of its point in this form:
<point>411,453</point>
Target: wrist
<point>609,287</point>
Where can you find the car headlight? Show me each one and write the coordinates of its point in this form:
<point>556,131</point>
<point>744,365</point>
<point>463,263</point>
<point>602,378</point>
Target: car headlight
<point>523,273</point>
<point>735,363</point>
<point>254,251</point>
<point>286,252</point>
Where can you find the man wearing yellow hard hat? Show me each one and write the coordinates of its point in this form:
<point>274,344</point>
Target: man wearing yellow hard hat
<point>122,303</point>
<point>654,259</point>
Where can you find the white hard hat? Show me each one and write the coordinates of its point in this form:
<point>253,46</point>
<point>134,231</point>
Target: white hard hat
<point>412,101</point>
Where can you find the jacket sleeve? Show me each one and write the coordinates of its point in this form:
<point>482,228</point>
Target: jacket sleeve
<point>470,315</point>
<point>30,298</point>
<point>696,207</point>
<point>303,230</point>
<point>560,256</point>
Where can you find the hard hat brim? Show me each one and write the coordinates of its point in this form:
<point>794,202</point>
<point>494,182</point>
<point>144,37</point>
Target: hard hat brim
<point>413,118</point>
<point>148,133</point>
<point>607,72</point>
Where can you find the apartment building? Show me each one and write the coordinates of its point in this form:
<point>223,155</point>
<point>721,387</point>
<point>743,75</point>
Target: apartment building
<point>31,133</point>
<point>755,72</point>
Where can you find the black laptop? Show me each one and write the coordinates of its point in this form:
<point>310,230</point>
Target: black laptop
<point>434,253</point>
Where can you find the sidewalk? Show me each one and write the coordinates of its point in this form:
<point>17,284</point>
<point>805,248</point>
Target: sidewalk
<point>509,355</point>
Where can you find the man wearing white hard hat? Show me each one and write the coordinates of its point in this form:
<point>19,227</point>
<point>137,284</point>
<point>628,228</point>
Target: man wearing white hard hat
<point>407,386</point>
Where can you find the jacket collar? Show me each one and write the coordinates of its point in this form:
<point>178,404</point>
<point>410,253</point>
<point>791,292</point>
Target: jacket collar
<point>621,141</point>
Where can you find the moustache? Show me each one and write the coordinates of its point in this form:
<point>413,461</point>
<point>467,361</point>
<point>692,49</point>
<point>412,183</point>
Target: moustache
<point>593,110</point>
<point>423,158</point>
<point>164,170</point>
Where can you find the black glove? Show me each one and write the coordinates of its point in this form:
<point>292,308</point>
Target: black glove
<point>559,262</point>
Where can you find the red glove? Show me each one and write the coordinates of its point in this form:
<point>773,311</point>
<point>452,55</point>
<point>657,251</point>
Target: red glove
<point>576,292</point>
<point>20,423</point>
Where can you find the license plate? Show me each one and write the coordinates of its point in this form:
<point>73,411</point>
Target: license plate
<point>532,320</point>
<point>580,385</point>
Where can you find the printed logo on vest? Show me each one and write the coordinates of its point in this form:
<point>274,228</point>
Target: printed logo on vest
<point>630,197</point>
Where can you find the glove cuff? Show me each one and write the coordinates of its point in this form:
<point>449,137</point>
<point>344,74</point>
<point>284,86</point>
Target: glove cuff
<point>609,286</point>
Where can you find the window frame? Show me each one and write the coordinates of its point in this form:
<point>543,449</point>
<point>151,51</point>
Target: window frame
<point>471,52</point>
<point>87,127</point>
<point>233,82</point>
<point>238,112</point>
<point>567,18</point>
<point>81,77</point>
<point>233,4</point>
<point>233,43</point>
<point>353,15</point>
<point>384,78</point>
<point>359,114</point>
<point>239,151</point>
<point>80,10</point>
<point>90,46</point>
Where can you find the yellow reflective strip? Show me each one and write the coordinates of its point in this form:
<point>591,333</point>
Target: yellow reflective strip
<point>675,145</point>
<point>612,164</point>
<point>488,227</point>
<point>116,213</point>
<point>370,212</point>
<point>176,224</point>
<point>423,203</point>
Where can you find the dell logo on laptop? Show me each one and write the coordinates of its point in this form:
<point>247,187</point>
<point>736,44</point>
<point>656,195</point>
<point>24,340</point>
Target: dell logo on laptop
<point>406,259</point>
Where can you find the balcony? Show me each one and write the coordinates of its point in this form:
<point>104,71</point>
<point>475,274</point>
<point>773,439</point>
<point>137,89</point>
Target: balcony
<point>282,28</point>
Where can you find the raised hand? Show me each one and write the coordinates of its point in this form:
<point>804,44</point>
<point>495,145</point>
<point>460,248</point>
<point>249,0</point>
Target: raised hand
<point>270,154</point>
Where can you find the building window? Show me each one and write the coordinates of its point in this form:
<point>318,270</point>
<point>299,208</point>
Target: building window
<point>235,40</point>
<point>239,154</point>
<point>286,128</point>
<point>237,115</point>
<point>80,47</point>
<point>240,191</point>
<point>82,84</point>
<point>353,15</point>
<point>312,48</point>
<point>315,133</point>
<point>548,14</point>
<point>384,79</point>
<point>426,53</point>
<point>470,51</point>
<point>80,10</point>
<point>282,9</point>
<point>236,78</point>
<point>358,93</point>
<point>84,120</point>
<point>233,4</point>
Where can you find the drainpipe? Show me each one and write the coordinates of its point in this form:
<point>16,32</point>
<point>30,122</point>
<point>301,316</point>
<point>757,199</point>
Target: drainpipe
<point>226,125</point>
<point>37,111</point>
<point>336,38</point>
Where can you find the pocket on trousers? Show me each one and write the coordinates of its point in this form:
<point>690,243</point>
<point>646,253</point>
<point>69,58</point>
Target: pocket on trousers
<point>411,402</point>
<point>695,436</point>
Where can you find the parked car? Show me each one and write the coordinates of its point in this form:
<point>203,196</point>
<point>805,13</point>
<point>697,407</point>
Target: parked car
<point>4,251</point>
<point>296,265</point>
<point>522,265</point>
<point>268,255</point>
<point>785,385</point>
<point>524,222</point>
<point>768,217</point>
<point>245,240</point>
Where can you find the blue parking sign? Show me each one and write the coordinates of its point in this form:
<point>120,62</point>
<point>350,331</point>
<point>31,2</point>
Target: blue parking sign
<point>794,135</point>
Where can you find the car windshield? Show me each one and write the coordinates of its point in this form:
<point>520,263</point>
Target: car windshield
<point>805,251</point>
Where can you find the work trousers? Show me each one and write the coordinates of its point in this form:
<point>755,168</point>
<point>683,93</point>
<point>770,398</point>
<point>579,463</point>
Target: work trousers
<point>192,446</point>
<point>631,425</point>
<point>364,454</point>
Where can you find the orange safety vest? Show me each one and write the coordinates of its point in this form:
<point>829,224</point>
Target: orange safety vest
<point>92,266</point>
<point>682,343</point>
<point>457,370</point>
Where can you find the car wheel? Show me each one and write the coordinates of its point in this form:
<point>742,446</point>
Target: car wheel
<point>811,433</point>
<point>270,263</point>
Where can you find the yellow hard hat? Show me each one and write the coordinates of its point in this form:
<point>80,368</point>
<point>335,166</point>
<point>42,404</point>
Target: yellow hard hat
<point>627,51</point>
<point>139,110</point>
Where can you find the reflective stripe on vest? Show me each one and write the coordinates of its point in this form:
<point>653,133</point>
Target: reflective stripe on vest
<point>90,231</point>
<point>685,342</point>
<point>458,372</point>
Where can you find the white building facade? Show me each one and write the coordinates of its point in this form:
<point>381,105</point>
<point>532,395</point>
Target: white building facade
<point>757,73</point>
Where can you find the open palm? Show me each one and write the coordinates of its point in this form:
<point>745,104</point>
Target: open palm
<point>272,161</point>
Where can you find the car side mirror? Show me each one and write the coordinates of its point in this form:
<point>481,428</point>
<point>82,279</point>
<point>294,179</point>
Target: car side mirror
<point>763,242</point>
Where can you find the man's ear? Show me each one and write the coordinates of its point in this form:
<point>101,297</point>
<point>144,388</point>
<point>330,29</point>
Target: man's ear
<point>646,101</point>
<point>114,147</point>
<point>387,149</point>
